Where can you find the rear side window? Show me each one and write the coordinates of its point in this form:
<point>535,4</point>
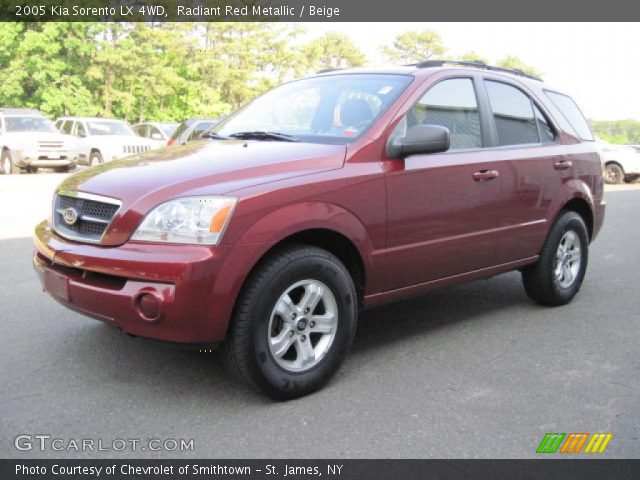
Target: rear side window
<point>452,104</point>
<point>513,114</point>
<point>572,113</point>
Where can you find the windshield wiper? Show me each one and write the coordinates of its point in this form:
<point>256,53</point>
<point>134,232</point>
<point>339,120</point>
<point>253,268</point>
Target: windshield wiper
<point>263,135</point>
<point>214,136</point>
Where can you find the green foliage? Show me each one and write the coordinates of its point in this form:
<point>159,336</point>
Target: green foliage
<point>617,131</point>
<point>155,71</point>
<point>473,57</point>
<point>412,47</point>
<point>515,63</point>
<point>333,50</point>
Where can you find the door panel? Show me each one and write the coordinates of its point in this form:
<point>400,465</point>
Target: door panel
<point>441,221</point>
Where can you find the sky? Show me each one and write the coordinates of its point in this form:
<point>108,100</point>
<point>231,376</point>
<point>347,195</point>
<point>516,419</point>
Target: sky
<point>598,64</point>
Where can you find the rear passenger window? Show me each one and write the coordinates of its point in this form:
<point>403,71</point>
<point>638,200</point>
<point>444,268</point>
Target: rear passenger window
<point>512,114</point>
<point>452,104</point>
<point>572,113</point>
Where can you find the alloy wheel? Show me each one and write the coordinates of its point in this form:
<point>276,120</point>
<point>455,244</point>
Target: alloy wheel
<point>303,325</point>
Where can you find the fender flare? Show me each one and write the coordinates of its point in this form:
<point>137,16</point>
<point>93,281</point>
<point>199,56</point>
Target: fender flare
<point>570,190</point>
<point>267,232</point>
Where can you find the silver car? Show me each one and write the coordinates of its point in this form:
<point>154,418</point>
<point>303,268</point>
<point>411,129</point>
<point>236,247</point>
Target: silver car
<point>101,140</point>
<point>29,141</point>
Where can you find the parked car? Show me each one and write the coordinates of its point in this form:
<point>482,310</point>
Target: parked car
<point>159,132</point>
<point>28,141</point>
<point>329,194</point>
<point>192,129</point>
<point>621,162</point>
<point>101,140</point>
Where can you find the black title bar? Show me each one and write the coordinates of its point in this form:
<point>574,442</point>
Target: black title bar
<point>325,469</point>
<point>315,11</point>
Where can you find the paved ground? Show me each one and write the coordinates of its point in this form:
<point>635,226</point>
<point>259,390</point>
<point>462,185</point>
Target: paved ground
<point>470,371</point>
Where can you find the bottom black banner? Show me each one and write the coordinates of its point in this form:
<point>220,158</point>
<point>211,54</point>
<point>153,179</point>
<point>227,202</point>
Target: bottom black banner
<point>308,469</point>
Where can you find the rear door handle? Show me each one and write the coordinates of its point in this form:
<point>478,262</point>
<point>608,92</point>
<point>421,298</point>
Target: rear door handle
<point>485,175</point>
<point>562,164</point>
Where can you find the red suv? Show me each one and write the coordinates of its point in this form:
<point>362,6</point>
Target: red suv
<point>329,194</point>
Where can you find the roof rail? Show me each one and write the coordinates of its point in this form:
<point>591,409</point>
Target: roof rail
<point>476,64</point>
<point>327,70</point>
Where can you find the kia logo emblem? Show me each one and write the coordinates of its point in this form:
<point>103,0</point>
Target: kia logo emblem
<point>70,216</point>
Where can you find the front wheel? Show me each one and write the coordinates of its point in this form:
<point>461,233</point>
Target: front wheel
<point>613,174</point>
<point>293,324</point>
<point>557,276</point>
<point>8,167</point>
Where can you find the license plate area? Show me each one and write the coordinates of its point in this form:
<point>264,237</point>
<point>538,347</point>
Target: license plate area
<point>56,284</point>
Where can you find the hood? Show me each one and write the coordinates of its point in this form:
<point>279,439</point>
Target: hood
<point>30,139</point>
<point>200,168</point>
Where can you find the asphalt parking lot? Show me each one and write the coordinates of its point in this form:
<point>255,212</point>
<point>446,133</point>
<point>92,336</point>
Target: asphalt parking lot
<point>475,370</point>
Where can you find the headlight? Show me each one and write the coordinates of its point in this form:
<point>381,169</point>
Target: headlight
<point>199,220</point>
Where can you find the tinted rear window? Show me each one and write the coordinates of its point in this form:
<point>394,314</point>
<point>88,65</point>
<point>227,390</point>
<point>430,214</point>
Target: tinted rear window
<point>572,113</point>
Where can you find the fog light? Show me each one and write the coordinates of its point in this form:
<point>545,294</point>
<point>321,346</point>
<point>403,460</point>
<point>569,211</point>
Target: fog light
<point>148,305</point>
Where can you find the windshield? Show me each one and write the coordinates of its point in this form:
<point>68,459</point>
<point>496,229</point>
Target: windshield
<point>109,128</point>
<point>329,109</point>
<point>29,124</point>
<point>168,128</point>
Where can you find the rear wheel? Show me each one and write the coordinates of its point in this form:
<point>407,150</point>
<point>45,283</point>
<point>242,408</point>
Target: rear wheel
<point>557,276</point>
<point>293,324</point>
<point>613,173</point>
<point>95,159</point>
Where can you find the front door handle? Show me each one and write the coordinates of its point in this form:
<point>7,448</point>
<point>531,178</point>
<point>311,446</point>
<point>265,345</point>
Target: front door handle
<point>485,175</point>
<point>562,164</point>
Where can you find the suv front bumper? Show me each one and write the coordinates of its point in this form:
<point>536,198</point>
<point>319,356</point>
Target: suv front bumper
<point>43,159</point>
<point>157,291</point>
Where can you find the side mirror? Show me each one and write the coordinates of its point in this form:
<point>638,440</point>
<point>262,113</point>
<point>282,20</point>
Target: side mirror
<point>420,139</point>
<point>82,133</point>
<point>156,136</point>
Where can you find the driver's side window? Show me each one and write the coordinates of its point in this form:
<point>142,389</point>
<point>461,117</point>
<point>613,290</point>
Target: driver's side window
<point>452,104</point>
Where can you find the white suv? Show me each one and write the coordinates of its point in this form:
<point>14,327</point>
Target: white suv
<point>100,140</point>
<point>28,141</point>
<point>620,161</point>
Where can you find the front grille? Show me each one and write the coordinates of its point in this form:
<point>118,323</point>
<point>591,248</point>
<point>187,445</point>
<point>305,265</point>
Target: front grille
<point>93,215</point>
<point>135,148</point>
<point>49,145</point>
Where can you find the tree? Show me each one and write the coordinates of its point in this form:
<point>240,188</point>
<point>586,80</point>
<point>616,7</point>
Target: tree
<point>412,47</point>
<point>473,57</point>
<point>332,50</point>
<point>514,63</point>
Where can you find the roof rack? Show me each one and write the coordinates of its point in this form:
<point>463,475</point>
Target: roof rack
<point>476,64</point>
<point>327,70</point>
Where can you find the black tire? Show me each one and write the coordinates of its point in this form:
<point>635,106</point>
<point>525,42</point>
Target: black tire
<point>540,280</point>
<point>246,352</point>
<point>8,166</point>
<point>613,174</point>
<point>95,159</point>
